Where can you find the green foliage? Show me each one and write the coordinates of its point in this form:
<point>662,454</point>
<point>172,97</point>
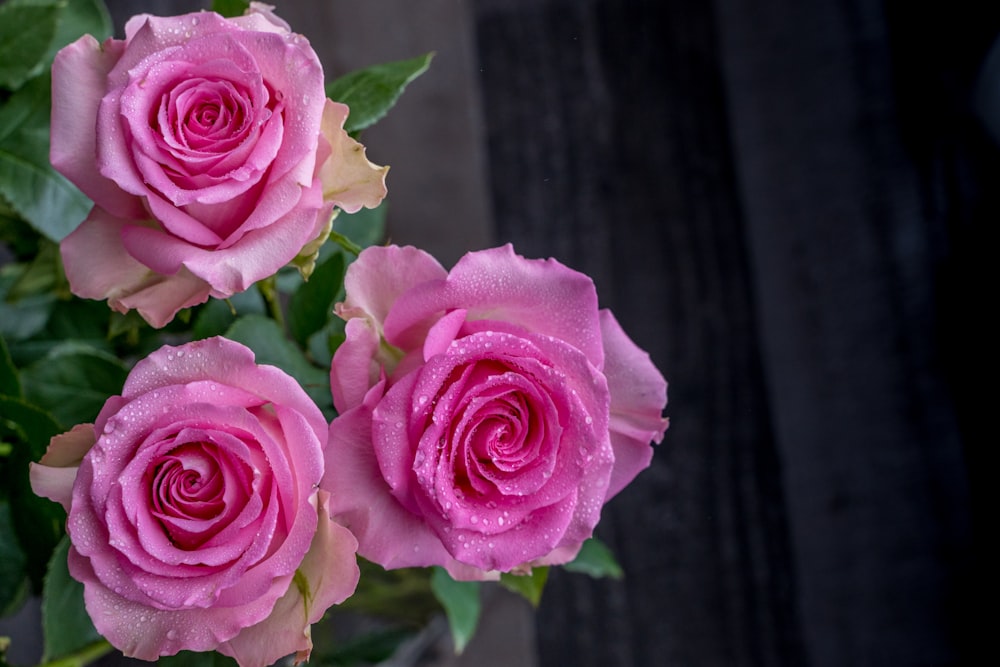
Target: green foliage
<point>10,385</point>
<point>595,559</point>
<point>372,91</point>
<point>364,228</point>
<point>462,604</point>
<point>26,31</point>
<point>28,183</point>
<point>529,586</point>
<point>73,381</point>
<point>13,575</point>
<point>230,8</point>
<point>77,18</point>
<point>65,624</point>
<point>37,522</point>
<point>311,306</point>
<point>270,345</point>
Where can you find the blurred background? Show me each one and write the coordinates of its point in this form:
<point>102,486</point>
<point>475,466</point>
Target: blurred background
<point>787,205</point>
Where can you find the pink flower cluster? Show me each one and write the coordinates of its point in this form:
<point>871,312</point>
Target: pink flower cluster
<point>486,414</point>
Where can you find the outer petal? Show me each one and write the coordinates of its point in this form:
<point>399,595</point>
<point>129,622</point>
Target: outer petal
<point>349,179</point>
<point>354,370</point>
<point>327,576</point>
<point>155,632</point>
<point>98,267</point>
<point>258,254</point>
<point>541,295</point>
<point>638,397</point>
<point>381,275</point>
<point>79,81</point>
<point>53,476</point>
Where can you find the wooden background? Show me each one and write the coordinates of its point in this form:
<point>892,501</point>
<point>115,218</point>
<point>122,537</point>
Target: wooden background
<point>787,204</point>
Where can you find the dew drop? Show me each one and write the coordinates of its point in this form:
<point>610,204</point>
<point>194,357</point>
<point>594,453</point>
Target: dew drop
<point>474,519</point>
<point>171,634</point>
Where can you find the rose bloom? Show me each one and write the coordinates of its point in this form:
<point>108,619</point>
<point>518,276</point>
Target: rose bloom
<point>195,518</point>
<point>211,154</point>
<point>486,414</point>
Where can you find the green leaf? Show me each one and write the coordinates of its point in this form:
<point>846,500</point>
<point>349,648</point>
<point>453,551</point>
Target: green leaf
<point>372,91</point>
<point>364,228</point>
<point>13,578</point>
<point>26,32</point>
<point>25,317</point>
<point>78,18</point>
<point>217,315</point>
<point>66,627</point>
<point>461,603</point>
<point>38,522</point>
<point>529,586</point>
<point>9,383</point>
<point>268,342</point>
<point>596,560</point>
<point>40,195</point>
<point>230,8</point>
<point>311,305</point>
<point>43,274</point>
<point>73,382</point>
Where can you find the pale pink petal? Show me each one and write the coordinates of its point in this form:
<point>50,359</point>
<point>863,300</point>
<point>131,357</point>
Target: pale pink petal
<point>349,179</point>
<point>56,484</point>
<point>98,267</point>
<point>328,575</point>
<point>53,476</point>
<point>354,370</point>
<point>79,81</point>
<point>95,260</point>
<point>160,299</point>
<point>381,275</point>
<point>638,397</point>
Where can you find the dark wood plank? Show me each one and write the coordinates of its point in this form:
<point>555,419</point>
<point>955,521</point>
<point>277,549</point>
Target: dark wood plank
<point>609,149</point>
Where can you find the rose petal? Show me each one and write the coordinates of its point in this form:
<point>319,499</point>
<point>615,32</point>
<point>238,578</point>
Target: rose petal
<point>53,476</point>
<point>79,72</point>
<point>354,371</point>
<point>125,282</point>
<point>349,179</point>
<point>540,295</point>
<point>361,501</point>
<point>638,397</point>
<point>379,277</point>
<point>328,575</point>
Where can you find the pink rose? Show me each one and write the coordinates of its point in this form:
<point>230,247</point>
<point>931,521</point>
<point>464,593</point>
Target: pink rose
<point>486,414</point>
<point>211,154</point>
<point>194,511</point>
